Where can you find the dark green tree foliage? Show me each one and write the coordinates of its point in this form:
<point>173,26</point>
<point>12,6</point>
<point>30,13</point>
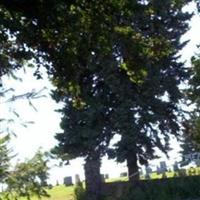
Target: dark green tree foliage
<point>190,138</point>
<point>188,144</point>
<point>83,134</point>
<point>149,110</point>
<point>12,54</point>
<point>193,92</point>
<point>87,131</point>
<point>59,32</point>
<point>192,125</point>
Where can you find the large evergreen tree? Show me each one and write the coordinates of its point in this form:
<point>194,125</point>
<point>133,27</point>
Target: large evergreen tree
<point>149,111</point>
<point>191,137</point>
<point>87,129</point>
<point>86,133</point>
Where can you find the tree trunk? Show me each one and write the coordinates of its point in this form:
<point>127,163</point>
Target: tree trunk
<point>93,179</point>
<point>133,172</point>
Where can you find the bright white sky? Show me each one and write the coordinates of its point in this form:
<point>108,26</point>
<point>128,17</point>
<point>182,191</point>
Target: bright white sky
<point>46,120</point>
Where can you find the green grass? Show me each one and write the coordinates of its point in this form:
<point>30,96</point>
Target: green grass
<point>60,192</point>
<point>116,179</point>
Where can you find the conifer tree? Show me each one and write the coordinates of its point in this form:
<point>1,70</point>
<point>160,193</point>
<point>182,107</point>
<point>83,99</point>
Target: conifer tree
<point>146,119</point>
<point>191,136</point>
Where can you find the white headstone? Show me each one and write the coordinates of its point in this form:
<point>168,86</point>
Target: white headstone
<point>77,179</point>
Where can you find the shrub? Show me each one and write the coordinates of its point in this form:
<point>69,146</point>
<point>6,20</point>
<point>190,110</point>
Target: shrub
<point>79,192</point>
<point>165,189</point>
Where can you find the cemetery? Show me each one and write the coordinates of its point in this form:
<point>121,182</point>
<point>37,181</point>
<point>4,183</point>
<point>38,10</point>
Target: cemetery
<point>180,184</point>
<point>180,181</point>
<point>99,100</point>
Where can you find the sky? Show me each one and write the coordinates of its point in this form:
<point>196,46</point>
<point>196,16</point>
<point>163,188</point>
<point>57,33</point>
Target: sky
<point>46,120</point>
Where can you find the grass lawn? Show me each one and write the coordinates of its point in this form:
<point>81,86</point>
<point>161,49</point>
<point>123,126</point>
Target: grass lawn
<point>60,192</point>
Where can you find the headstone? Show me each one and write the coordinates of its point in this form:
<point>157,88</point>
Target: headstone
<point>175,166</point>
<point>68,181</point>
<point>102,178</point>
<point>123,174</point>
<point>148,169</point>
<point>158,170</point>
<point>106,176</point>
<point>77,179</point>
<point>163,166</point>
<point>50,186</point>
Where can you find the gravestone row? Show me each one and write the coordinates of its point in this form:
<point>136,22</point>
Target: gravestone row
<point>68,179</point>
